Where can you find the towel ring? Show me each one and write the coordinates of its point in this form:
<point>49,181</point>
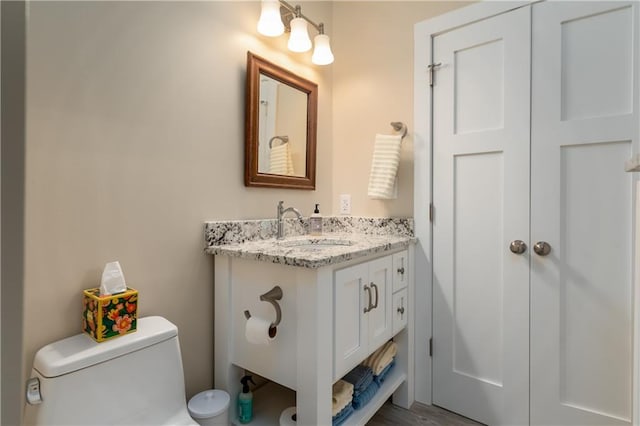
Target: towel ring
<point>399,126</point>
<point>272,296</point>
<point>284,139</point>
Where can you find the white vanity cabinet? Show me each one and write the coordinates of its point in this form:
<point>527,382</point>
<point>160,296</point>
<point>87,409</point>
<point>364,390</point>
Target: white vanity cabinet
<point>324,331</point>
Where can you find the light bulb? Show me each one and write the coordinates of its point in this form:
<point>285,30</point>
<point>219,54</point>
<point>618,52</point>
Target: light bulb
<point>270,23</point>
<point>299,40</point>
<point>322,54</point>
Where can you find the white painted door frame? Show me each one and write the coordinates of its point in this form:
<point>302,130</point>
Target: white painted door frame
<point>423,35</point>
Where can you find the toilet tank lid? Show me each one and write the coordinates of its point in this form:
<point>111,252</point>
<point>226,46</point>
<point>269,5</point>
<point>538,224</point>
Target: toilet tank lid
<point>80,351</point>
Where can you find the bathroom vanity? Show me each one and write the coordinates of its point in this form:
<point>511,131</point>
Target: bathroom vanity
<point>344,295</point>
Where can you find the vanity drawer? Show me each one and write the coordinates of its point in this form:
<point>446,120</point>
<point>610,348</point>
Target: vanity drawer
<point>400,270</point>
<point>400,311</point>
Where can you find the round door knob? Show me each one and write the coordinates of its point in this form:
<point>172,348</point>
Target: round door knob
<point>542,248</point>
<point>518,246</point>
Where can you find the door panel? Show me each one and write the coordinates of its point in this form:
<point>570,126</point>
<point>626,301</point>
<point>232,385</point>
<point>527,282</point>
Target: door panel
<point>583,120</point>
<point>587,39</point>
<point>479,76</point>
<point>590,306</point>
<point>478,285</point>
<point>481,198</point>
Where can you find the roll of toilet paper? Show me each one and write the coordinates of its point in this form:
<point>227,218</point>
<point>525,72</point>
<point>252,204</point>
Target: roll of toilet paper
<point>257,331</point>
<point>287,417</point>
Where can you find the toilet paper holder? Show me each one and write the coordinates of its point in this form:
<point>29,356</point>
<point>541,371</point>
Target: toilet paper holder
<point>272,296</point>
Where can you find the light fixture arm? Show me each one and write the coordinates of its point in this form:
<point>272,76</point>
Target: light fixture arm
<point>297,12</point>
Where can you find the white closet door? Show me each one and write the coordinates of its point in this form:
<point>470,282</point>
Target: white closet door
<point>481,198</point>
<point>583,118</point>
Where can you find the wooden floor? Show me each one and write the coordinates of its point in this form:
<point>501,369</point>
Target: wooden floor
<point>419,414</point>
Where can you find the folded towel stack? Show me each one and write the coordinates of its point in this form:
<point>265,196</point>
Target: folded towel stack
<point>364,388</point>
<point>379,379</point>
<point>381,358</point>
<point>384,166</point>
<point>365,396</point>
<point>360,377</point>
<point>342,416</point>
<point>342,396</point>
<point>280,162</point>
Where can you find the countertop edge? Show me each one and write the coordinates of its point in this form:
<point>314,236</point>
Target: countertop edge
<point>299,258</point>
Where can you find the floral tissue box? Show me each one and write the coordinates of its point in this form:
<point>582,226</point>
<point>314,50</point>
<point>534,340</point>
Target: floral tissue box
<point>105,317</point>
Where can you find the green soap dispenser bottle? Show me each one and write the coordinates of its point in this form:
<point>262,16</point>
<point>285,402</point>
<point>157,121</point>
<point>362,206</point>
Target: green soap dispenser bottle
<point>245,401</point>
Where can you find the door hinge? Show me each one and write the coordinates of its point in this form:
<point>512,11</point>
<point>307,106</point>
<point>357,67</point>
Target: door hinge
<point>431,346</point>
<point>431,68</point>
<point>430,212</point>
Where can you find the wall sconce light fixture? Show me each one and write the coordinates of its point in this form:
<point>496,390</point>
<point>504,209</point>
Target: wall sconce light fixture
<point>271,24</point>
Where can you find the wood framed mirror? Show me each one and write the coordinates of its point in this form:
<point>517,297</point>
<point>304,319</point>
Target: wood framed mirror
<point>281,126</point>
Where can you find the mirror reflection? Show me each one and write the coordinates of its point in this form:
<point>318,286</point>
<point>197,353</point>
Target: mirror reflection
<point>282,132</point>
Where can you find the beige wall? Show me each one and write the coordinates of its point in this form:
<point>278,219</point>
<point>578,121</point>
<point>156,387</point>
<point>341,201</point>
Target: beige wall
<point>373,86</point>
<point>135,136</point>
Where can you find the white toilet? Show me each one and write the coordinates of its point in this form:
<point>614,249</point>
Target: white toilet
<point>135,379</point>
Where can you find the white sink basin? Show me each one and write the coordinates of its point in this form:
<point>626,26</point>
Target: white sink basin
<point>315,243</point>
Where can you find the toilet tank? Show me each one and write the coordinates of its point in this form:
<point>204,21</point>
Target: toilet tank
<point>136,379</point>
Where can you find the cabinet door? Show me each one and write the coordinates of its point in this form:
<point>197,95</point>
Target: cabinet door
<point>350,321</point>
<point>380,281</point>
<point>400,270</point>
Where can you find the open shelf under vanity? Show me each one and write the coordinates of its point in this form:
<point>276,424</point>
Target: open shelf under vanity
<point>271,399</point>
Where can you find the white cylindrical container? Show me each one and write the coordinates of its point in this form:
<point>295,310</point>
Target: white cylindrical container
<point>210,408</point>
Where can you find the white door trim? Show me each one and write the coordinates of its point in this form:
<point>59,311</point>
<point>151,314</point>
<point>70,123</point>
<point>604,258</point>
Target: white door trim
<point>636,234</point>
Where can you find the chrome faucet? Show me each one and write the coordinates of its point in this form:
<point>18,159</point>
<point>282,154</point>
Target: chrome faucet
<point>281,213</point>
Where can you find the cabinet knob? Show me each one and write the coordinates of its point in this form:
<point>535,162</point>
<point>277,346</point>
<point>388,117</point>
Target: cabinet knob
<point>518,247</point>
<point>542,248</point>
<point>401,270</point>
<point>401,310</point>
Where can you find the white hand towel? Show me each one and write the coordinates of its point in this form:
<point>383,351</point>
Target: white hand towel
<point>384,166</point>
<point>280,162</point>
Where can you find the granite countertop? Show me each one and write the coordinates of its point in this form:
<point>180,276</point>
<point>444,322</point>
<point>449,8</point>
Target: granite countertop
<point>287,253</point>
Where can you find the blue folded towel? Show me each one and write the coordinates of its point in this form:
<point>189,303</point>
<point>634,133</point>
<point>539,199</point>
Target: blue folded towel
<point>379,379</point>
<point>365,396</point>
<point>340,418</point>
<point>360,377</point>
